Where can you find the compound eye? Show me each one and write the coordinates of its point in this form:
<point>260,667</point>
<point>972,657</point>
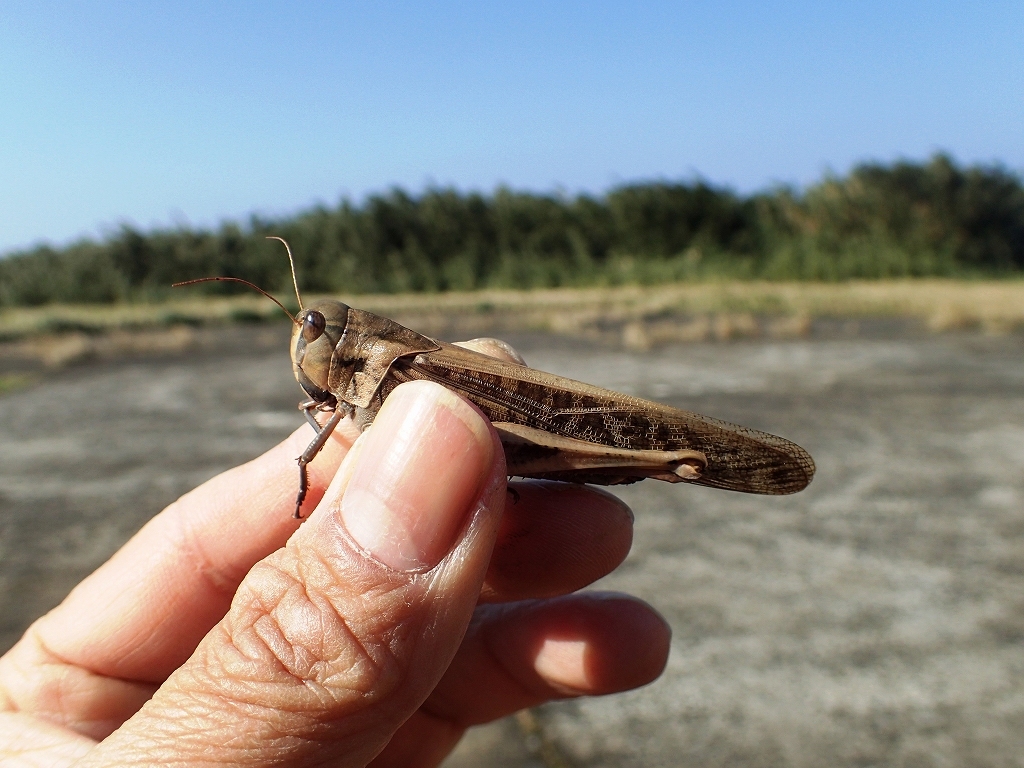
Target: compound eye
<point>313,325</point>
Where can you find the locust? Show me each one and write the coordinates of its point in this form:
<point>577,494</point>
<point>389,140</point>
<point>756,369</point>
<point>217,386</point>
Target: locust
<point>348,361</point>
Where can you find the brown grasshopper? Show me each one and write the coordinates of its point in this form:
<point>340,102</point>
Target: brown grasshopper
<point>348,361</point>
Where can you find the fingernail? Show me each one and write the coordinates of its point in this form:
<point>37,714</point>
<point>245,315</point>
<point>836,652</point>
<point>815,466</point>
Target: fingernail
<point>421,468</point>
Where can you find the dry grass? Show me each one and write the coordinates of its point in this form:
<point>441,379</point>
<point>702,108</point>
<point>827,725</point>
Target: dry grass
<point>98,318</point>
<point>633,316</point>
<point>642,317</point>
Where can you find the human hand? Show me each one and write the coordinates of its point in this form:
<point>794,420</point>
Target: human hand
<point>404,610</point>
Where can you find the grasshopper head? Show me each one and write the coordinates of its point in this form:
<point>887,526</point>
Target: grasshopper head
<point>316,335</point>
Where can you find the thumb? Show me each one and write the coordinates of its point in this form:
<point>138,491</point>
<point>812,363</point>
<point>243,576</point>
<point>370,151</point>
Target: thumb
<point>334,641</point>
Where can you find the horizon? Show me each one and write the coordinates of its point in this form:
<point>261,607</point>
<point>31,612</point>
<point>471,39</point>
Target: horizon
<point>159,115</point>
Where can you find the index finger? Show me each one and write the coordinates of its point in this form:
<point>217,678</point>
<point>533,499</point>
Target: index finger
<point>142,613</point>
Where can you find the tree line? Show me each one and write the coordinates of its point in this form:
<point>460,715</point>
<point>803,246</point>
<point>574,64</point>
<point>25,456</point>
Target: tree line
<point>904,219</point>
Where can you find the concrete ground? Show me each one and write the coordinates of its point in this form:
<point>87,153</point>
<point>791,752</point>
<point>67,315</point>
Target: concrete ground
<point>876,619</point>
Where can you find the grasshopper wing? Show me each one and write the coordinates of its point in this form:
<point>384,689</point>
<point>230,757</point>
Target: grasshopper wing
<point>736,458</point>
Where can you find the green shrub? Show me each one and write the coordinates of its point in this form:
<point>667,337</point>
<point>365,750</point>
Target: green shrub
<point>901,220</point>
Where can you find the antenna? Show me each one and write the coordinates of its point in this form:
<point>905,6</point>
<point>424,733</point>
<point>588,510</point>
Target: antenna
<point>243,282</point>
<point>291,263</point>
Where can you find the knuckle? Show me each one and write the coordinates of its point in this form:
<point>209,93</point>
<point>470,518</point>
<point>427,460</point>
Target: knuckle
<point>284,638</point>
<point>496,348</point>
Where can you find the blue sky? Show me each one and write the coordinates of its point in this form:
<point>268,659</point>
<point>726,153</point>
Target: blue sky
<point>162,113</point>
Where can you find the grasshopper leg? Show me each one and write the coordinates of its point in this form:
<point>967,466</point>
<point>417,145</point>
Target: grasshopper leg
<point>307,407</point>
<point>322,433</point>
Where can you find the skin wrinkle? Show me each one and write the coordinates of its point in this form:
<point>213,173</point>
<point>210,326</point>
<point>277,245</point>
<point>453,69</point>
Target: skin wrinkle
<point>358,655</point>
<point>303,574</point>
<point>195,716</point>
<point>380,663</point>
<point>391,594</point>
<point>294,737</point>
<point>59,694</point>
<point>284,736</point>
<point>234,710</point>
<point>312,613</point>
<point>13,701</point>
<point>39,644</point>
<point>354,636</point>
<point>27,741</point>
<point>48,698</point>
<point>183,540</point>
<point>234,704</point>
<point>189,542</point>
<point>401,599</point>
<point>196,707</point>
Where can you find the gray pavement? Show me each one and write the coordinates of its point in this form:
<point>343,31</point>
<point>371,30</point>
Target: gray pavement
<point>876,619</point>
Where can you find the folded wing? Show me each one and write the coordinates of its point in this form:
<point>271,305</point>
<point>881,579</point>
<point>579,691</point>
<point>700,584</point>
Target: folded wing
<point>738,458</point>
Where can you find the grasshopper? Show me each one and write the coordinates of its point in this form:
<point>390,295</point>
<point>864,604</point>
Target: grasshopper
<point>348,361</point>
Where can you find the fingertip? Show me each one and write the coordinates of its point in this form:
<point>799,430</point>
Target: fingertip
<point>496,348</point>
<point>585,644</point>
<point>632,649</point>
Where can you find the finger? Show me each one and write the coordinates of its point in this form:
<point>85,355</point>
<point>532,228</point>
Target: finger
<point>523,654</point>
<point>28,741</point>
<point>334,641</point>
<point>92,661</point>
<point>502,350</point>
<point>556,538</point>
